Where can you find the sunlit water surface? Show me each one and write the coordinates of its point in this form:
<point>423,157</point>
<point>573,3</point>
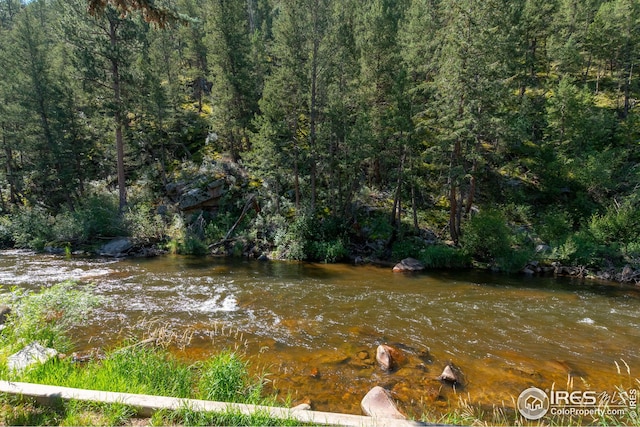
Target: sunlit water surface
<point>314,328</point>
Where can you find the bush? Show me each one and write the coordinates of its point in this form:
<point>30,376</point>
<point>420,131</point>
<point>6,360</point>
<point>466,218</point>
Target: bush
<point>409,247</point>
<point>46,316</point>
<point>100,217</point>
<point>291,242</point>
<point>332,251</point>
<point>486,236</point>
<point>145,224</point>
<point>32,227</point>
<point>554,226</point>
<point>440,256</point>
<point>583,249</point>
<point>95,216</point>
<point>6,236</point>
<point>621,225</point>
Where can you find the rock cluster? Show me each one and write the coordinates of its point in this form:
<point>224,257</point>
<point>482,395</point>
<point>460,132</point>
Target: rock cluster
<point>626,275</point>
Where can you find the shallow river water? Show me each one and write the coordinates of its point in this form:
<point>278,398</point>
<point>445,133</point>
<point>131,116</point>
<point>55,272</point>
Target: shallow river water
<point>314,328</point>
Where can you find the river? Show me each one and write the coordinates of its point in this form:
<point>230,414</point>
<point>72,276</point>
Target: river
<point>314,328</point>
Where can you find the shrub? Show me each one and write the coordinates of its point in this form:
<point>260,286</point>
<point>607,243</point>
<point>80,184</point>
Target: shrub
<point>583,249</point>
<point>145,224</point>
<point>99,216</point>
<point>46,316</point>
<point>440,256</point>
<point>332,251</point>
<point>554,226</point>
<point>31,227</point>
<point>486,236</point>
<point>291,242</point>
<point>6,236</point>
<point>616,225</point>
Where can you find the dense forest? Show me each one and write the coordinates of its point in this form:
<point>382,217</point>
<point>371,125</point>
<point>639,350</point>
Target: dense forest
<point>494,131</point>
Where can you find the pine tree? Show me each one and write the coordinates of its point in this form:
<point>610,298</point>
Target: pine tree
<point>103,50</point>
<point>234,86</point>
<point>469,91</point>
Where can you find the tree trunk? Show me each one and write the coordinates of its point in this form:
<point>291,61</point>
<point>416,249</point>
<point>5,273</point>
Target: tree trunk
<point>117,117</point>
<point>454,225</point>
<point>453,202</point>
<point>296,172</point>
<point>313,116</point>
<point>414,208</point>
<point>472,189</point>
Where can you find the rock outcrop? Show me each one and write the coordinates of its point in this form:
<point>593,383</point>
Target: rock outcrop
<point>378,403</point>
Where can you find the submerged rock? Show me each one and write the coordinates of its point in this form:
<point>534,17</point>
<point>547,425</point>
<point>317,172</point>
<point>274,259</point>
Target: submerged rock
<point>378,403</point>
<point>408,264</point>
<point>452,374</point>
<point>30,355</point>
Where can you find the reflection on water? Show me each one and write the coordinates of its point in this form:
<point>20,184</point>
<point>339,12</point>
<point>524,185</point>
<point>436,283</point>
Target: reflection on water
<point>315,327</point>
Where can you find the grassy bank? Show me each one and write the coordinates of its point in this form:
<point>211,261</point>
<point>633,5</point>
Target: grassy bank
<point>49,315</point>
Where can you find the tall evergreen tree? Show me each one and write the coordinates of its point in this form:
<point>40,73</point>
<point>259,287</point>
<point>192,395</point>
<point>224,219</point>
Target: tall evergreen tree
<point>235,86</point>
<point>103,48</point>
<point>469,90</point>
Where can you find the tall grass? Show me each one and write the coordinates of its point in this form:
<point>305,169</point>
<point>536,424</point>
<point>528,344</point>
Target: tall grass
<point>45,316</point>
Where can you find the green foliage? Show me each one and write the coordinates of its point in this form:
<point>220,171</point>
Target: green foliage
<point>486,236</point>
<point>78,413</point>
<point>46,316</point>
<point>31,227</point>
<point>144,224</point>
<point>583,249</point>
<point>6,237</point>
<point>440,256</point>
<point>378,227</point>
<point>331,251</point>
<point>36,227</point>
<point>292,240</point>
<point>186,239</point>
<point>619,224</point>
<point>408,247</point>
<point>554,226</point>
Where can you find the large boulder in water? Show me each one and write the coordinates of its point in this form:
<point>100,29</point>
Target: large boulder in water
<point>378,403</point>
<point>408,264</point>
<point>30,355</point>
<point>116,248</point>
